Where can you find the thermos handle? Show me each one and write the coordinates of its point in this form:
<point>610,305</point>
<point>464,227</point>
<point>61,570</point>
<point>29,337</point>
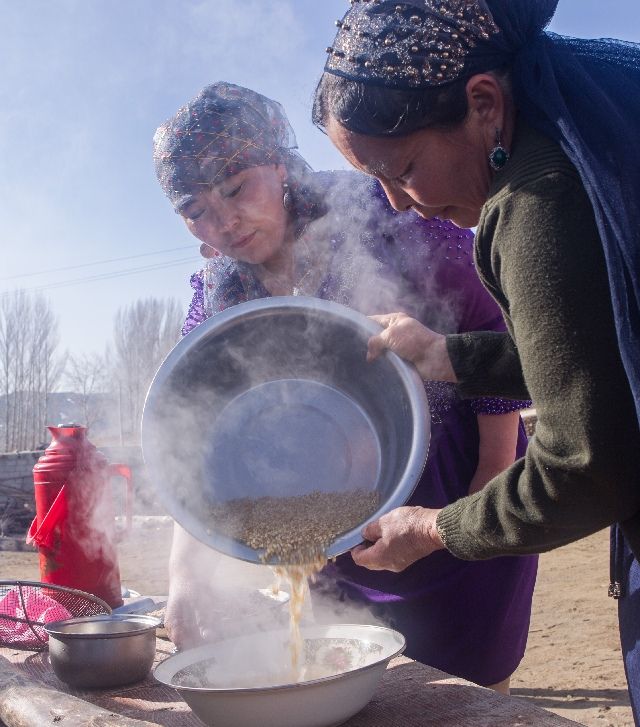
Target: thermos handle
<point>123,470</point>
<point>42,536</point>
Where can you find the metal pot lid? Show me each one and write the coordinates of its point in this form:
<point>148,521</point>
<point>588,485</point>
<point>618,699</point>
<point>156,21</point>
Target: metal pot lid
<point>110,626</point>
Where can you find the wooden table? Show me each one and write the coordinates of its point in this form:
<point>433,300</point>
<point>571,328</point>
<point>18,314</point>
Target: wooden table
<point>410,695</point>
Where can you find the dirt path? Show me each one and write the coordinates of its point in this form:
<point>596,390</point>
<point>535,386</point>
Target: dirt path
<point>572,666</point>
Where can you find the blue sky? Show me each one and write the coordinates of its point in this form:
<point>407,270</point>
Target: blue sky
<point>84,84</point>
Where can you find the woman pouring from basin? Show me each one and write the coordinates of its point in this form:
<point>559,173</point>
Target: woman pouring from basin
<point>268,225</point>
<point>468,110</point>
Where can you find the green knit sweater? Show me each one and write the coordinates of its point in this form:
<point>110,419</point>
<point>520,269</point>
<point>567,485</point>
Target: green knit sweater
<point>538,252</point>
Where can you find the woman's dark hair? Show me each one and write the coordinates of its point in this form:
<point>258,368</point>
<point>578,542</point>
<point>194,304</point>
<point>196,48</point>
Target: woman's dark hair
<point>379,111</point>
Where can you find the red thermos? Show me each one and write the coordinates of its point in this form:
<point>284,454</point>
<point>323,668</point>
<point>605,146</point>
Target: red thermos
<point>74,527</point>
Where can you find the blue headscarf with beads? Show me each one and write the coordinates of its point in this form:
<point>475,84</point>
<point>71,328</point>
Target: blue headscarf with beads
<point>584,94</point>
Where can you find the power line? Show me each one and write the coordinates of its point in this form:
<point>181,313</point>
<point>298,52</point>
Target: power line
<point>102,276</point>
<point>99,262</point>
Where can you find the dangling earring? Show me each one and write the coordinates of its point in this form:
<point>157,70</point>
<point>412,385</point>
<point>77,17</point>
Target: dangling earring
<point>287,197</point>
<point>208,251</point>
<point>498,156</point>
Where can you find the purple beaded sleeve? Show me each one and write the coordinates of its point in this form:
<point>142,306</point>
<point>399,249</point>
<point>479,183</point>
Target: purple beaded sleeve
<point>196,313</point>
<point>486,405</point>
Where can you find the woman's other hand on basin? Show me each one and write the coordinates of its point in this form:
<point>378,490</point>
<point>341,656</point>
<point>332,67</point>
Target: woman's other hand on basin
<point>398,539</point>
<point>416,343</point>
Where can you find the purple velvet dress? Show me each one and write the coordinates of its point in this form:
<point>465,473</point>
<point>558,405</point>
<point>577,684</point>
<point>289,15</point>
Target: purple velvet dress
<point>470,619</point>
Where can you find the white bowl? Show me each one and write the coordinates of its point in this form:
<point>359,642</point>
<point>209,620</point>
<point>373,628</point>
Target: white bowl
<point>247,681</point>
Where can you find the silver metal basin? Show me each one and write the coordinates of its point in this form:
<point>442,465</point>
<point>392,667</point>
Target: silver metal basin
<point>274,397</point>
<point>102,651</point>
<point>246,681</point>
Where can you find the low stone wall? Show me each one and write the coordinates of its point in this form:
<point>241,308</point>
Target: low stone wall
<point>17,504</point>
<point>16,472</point>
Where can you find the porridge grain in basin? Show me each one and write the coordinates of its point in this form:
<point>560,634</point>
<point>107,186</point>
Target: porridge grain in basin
<point>296,532</point>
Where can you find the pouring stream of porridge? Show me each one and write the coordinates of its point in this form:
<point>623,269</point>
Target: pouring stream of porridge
<point>296,532</point>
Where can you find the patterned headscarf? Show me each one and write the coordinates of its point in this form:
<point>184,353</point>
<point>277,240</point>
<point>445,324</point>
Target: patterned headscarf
<point>223,130</point>
<point>410,43</point>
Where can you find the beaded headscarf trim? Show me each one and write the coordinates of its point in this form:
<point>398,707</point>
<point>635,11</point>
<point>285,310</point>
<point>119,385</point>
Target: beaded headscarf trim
<point>411,44</point>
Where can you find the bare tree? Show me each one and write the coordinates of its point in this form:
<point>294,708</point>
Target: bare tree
<point>144,333</point>
<point>86,376</point>
<point>30,367</point>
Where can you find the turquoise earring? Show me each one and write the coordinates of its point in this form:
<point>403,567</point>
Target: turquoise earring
<point>498,156</point>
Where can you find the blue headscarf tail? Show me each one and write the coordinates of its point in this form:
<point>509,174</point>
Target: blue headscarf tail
<point>584,94</point>
<point>520,21</point>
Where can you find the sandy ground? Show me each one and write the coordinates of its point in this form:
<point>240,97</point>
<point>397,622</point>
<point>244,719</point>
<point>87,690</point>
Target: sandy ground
<point>573,664</point>
<point>572,667</point>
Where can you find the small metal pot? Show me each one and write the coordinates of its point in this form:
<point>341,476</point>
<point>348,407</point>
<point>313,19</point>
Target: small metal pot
<point>97,652</point>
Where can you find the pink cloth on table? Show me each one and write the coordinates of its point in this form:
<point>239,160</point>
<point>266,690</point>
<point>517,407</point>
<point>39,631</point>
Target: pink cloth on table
<point>38,608</point>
